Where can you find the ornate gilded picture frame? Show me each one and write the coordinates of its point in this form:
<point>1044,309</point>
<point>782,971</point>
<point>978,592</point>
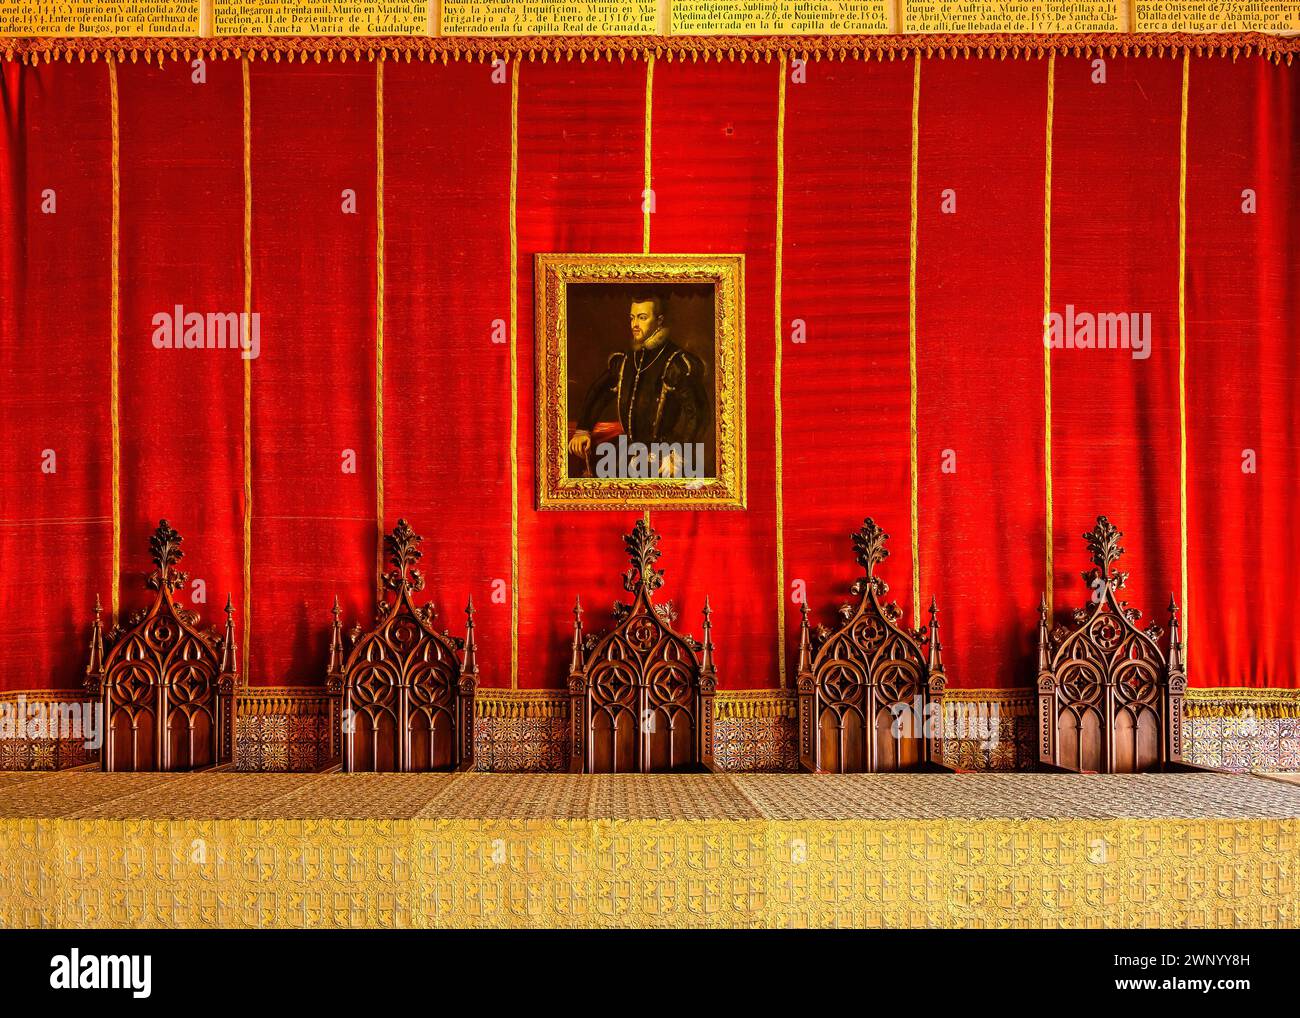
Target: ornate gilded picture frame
<point>641,381</point>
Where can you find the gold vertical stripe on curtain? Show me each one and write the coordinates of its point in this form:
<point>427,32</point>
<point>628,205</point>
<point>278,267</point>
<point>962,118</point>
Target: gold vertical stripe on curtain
<point>776,380</point>
<point>911,347</point>
<point>1182,337</point>
<point>248,372</point>
<point>645,192</point>
<point>514,376</point>
<point>379,326</point>
<point>649,119</point>
<point>1047,310</point>
<point>114,410</point>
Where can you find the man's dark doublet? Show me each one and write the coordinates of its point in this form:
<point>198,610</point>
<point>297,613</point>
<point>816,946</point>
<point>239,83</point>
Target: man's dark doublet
<point>658,390</point>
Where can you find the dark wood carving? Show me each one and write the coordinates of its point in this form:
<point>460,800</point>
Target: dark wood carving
<point>1109,700</point>
<point>167,683</point>
<point>402,699</point>
<point>641,696</point>
<point>870,693</point>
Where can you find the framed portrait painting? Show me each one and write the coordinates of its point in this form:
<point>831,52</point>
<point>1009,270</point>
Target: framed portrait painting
<point>641,381</point>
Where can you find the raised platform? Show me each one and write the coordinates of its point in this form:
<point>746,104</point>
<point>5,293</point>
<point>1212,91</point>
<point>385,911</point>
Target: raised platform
<point>85,849</point>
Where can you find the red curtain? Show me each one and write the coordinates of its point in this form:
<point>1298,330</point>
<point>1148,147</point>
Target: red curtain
<point>845,394</point>
<point>391,399</point>
<point>1243,300</point>
<point>581,144</point>
<point>181,411</point>
<point>714,176</point>
<point>446,353</point>
<point>980,414</point>
<point>1115,445</point>
<point>313,384</point>
<point>56,474</point>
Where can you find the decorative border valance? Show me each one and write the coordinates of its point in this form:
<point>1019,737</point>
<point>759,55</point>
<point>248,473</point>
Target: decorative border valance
<point>839,47</point>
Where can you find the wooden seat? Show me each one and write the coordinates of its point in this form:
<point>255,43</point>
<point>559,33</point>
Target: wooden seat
<point>1109,700</point>
<point>870,692</point>
<point>641,696</point>
<point>401,699</point>
<point>166,682</point>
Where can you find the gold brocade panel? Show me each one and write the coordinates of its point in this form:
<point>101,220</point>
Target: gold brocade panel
<point>757,851</point>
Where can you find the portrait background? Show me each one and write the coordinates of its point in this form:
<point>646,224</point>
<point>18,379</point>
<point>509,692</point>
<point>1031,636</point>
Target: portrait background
<point>597,317</point>
<point>378,337</point>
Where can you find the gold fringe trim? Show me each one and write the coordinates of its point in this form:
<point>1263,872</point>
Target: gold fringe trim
<point>738,704</point>
<point>755,704</point>
<point>281,700</point>
<point>1234,701</point>
<point>999,696</point>
<point>1236,708</point>
<point>45,696</point>
<point>521,703</point>
<point>816,47</point>
<point>957,714</point>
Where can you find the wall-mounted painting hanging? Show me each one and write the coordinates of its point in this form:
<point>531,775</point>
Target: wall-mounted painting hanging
<point>641,381</point>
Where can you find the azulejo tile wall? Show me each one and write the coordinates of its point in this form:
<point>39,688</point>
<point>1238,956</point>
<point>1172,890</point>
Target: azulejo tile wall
<point>282,730</point>
<point>1244,729</point>
<point>287,729</point>
<point>44,731</point>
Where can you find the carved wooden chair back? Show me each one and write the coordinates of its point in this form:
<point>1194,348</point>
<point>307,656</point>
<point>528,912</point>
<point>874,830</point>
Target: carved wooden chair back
<point>870,692</point>
<point>641,696</point>
<point>403,697</point>
<point>1109,700</point>
<point>166,682</point>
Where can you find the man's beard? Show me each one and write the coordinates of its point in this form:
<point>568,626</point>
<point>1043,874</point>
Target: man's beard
<point>639,344</point>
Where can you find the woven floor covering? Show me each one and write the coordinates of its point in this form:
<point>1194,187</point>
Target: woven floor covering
<point>86,849</point>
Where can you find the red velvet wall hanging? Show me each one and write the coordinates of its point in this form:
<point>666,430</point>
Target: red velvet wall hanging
<point>385,385</point>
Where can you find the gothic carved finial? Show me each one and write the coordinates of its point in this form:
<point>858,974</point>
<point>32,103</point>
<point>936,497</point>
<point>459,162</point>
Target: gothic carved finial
<point>95,668</point>
<point>643,549</point>
<point>869,546</point>
<point>708,671</point>
<point>469,664</point>
<point>1175,639</point>
<point>403,547</point>
<point>1104,547</point>
<point>165,549</point>
<point>229,655</point>
<point>576,661</point>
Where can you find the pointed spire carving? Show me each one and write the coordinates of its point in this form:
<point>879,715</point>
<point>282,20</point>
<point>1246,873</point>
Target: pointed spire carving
<point>403,548</point>
<point>165,550</point>
<point>229,658</point>
<point>469,664</point>
<point>643,549</point>
<point>95,666</point>
<point>1044,636</point>
<point>707,669</point>
<point>935,647</point>
<point>575,661</point>
<point>805,639</point>
<point>1175,638</point>
<point>337,654</point>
